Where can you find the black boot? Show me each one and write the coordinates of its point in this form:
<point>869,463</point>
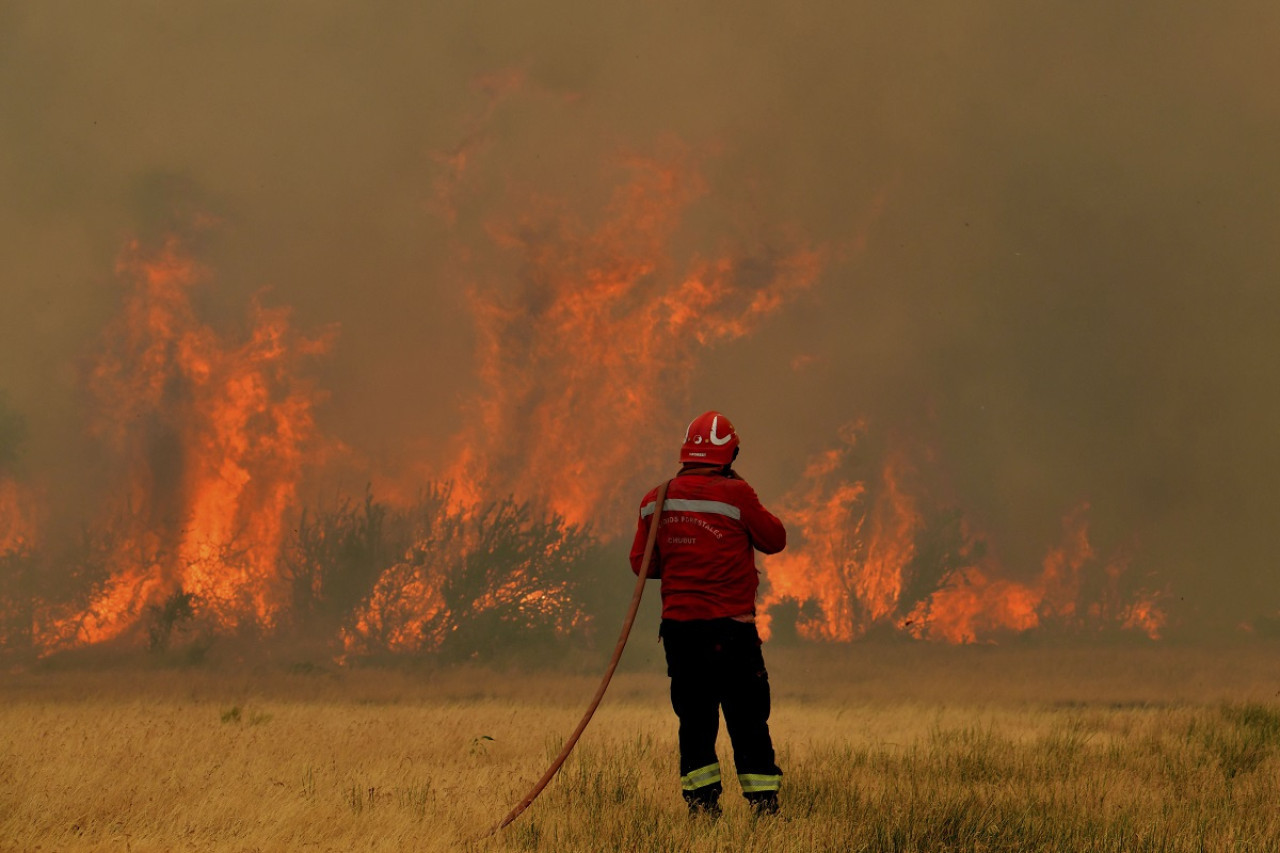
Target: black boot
<point>762,803</point>
<point>704,801</point>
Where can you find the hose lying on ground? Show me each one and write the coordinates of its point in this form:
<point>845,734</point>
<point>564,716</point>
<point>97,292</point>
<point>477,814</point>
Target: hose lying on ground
<point>608,675</point>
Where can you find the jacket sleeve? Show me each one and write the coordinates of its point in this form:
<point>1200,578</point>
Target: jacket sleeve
<point>768,535</point>
<point>642,535</point>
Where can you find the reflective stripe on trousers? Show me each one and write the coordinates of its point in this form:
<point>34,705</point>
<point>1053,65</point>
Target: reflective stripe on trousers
<point>701,778</point>
<point>756,783</point>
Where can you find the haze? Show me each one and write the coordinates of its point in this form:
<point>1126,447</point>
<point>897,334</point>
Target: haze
<point>1049,230</point>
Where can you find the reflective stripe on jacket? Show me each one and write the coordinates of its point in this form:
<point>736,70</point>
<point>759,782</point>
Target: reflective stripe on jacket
<point>704,553</point>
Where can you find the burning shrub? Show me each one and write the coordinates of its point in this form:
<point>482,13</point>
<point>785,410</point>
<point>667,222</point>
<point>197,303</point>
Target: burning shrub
<point>515,581</point>
<point>46,593</point>
<point>434,576</point>
<point>474,580</point>
<point>336,557</point>
<point>175,614</point>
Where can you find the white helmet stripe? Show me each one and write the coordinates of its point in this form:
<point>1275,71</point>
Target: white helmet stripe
<point>715,439</point>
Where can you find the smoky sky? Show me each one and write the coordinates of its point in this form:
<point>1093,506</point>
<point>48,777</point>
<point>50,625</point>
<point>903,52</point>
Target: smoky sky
<point>1052,227</point>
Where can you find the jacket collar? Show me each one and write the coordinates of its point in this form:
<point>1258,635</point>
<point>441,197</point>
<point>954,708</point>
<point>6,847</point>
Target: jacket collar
<point>702,470</point>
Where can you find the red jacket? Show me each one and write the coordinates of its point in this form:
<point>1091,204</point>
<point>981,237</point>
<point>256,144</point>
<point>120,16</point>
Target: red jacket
<point>704,552</point>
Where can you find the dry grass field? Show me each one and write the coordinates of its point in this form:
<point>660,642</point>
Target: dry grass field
<point>885,747</point>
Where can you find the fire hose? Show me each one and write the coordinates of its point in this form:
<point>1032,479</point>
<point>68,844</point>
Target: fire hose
<point>643,575</point>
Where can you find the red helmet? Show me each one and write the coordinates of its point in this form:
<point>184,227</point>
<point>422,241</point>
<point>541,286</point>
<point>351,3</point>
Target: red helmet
<point>710,439</point>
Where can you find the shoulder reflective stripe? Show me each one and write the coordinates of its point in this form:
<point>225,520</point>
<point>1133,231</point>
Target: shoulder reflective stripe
<point>700,778</point>
<point>713,507</point>
<point>754,783</point>
<point>716,507</point>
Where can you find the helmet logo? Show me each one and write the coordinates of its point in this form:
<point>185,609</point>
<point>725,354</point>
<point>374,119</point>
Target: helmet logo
<point>715,439</point>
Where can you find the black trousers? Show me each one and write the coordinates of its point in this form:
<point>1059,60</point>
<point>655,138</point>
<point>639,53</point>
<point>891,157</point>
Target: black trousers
<point>717,664</point>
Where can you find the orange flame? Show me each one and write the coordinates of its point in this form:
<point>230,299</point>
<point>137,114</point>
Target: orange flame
<point>1146,616</point>
<point>969,605</point>
<point>855,557</point>
<point>405,606</point>
<point>579,356</point>
<point>891,545</point>
<point>578,362</point>
<point>500,564</point>
<point>214,436</point>
<point>1060,579</point>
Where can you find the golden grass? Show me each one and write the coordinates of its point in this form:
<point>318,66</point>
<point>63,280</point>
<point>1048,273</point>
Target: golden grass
<point>885,747</point>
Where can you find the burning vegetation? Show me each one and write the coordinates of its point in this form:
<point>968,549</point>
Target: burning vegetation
<point>213,438</point>
<point>465,582</point>
<point>876,552</point>
<point>604,305</point>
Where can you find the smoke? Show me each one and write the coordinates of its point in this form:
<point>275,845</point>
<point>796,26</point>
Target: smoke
<point>1051,230</point>
<point>13,431</point>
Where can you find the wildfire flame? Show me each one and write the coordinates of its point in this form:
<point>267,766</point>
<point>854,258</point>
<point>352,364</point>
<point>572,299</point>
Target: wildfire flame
<point>973,603</point>
<point>1146,616</point>
<point>579,360</point>
<point>854,559</point>
<point>588,337</point>
<point>214,435</point>
<point>856,554</point>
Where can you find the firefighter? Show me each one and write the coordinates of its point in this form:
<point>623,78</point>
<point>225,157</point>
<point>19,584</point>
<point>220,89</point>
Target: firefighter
<point>711,524</point>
